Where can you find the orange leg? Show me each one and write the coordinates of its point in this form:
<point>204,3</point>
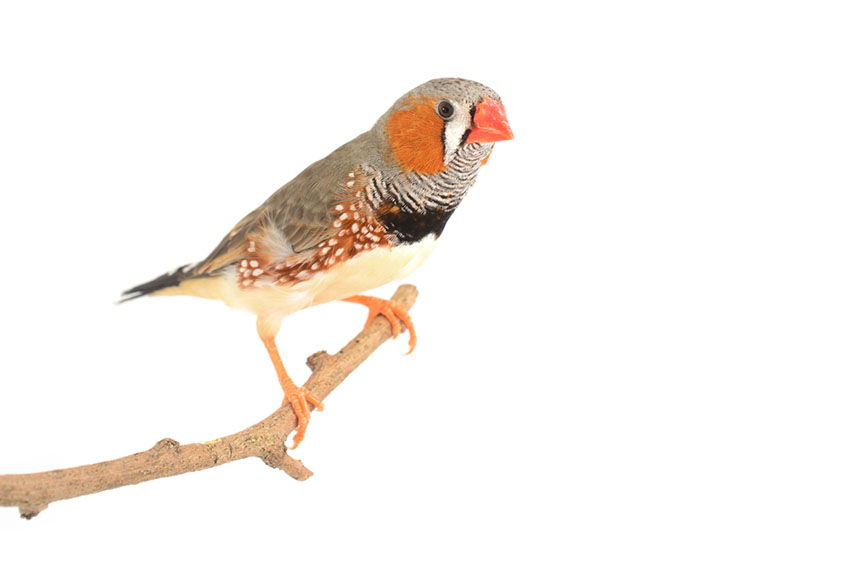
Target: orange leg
<point>389,309</point>
<point>298,397</point>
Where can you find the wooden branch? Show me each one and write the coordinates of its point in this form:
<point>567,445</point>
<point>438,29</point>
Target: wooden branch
<point>31,493</point>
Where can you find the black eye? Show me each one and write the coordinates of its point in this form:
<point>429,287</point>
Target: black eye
<point>445,109</point>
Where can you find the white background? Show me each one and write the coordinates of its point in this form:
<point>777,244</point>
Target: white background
<point>633,334</point>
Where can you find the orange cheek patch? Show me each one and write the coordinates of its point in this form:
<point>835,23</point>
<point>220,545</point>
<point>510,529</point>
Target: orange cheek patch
<point>416,137</point>
<point>486,158</point>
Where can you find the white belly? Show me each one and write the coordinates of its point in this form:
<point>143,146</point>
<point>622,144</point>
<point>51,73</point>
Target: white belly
<point>370,270</point>
<point>271,303</point>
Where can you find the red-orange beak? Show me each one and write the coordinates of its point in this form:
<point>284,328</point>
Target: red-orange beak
<point>490,123</point>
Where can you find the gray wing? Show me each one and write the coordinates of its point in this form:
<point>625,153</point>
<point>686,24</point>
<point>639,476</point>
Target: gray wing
<point>296,218</point>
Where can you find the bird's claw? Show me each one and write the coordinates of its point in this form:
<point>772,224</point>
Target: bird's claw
<point>300,400</point>
<point>395,314</point>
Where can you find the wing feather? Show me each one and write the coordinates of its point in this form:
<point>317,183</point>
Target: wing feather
<point>295,219</point>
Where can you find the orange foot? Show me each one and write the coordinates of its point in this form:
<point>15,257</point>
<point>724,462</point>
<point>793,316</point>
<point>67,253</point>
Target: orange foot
<point>389,309</point>
<point>298,397</point>
<point>299,400</point>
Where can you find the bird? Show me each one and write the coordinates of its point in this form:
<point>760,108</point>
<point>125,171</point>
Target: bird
<point>368,213</point>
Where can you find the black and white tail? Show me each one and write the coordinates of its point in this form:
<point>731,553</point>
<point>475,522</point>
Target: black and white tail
<point>166,280</point>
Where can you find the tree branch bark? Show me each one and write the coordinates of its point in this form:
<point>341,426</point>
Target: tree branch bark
<point>31,493</point>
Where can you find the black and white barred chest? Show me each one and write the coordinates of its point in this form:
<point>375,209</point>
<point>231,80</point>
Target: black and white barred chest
<point>412,206</point>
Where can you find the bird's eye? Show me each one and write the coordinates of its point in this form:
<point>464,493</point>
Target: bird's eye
<point>445,109</point>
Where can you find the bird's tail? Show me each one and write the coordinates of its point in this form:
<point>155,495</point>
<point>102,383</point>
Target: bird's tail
<point>170,279</point>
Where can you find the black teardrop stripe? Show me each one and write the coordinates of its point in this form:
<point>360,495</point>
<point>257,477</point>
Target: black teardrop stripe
<point>410,227</point>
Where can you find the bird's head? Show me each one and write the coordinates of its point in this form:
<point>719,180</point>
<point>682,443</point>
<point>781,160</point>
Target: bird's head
<point>442,121</point>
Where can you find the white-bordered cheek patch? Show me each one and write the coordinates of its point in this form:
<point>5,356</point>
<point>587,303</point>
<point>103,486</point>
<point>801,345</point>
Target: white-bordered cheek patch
<point>454,131</point>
